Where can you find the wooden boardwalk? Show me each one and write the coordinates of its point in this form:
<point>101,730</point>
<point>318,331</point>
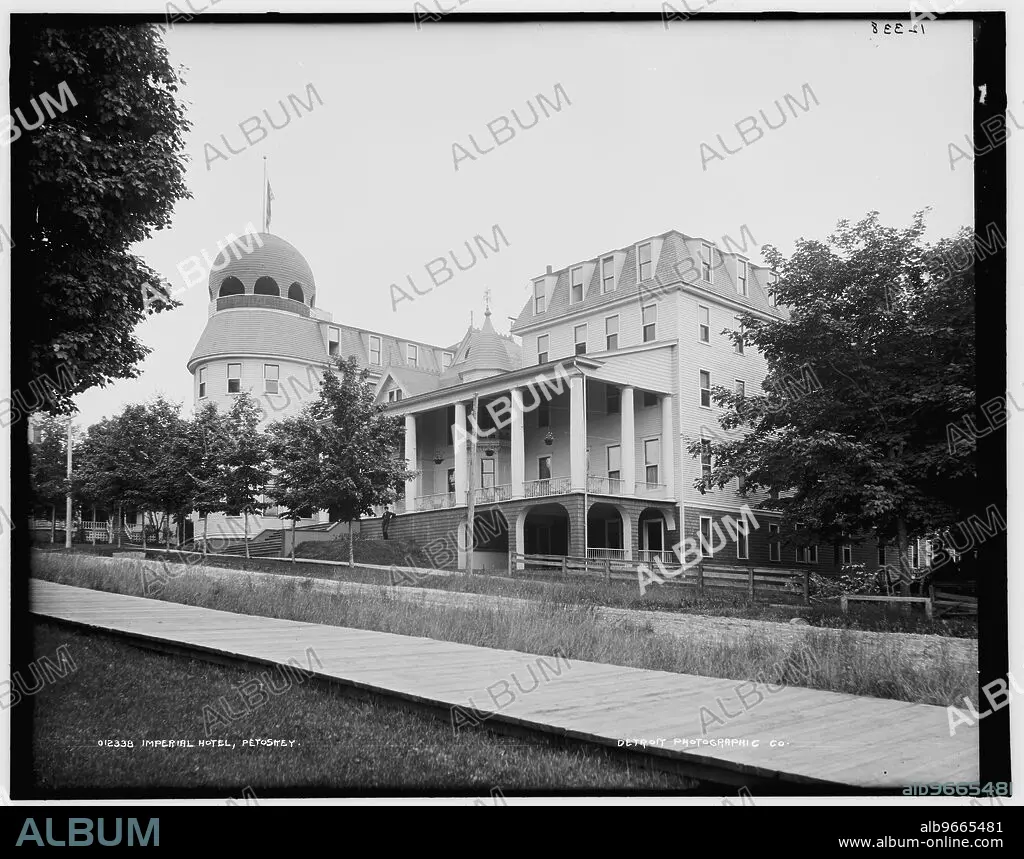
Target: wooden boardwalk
<point>803,735</point>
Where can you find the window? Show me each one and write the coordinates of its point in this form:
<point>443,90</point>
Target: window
<point>612,400</point>
<point>451,480</point>
<point>538,296</point>
<point>741,388</point>
<point>544,468</point>
<point>333,342</point>
<point>774,548</point>
<point>705,262</point>
<point>705,389</point>
<point>743,540</point>
<point>412,354</point>
<point>542,349</point>
<point>271,374</point>
<point>394,395</point>
<point>913,554</point>
<point>705,458</point>
<point>643,261</point>
<point>611,332</point>
<point>446,360</point>
<point>705,537</point>
<point>650,399</point>
<point>650,321</point>
<point>374,349</point>
<point>37,432</point>
<point>607,274</point>
<point>580,338</point>
<point>703,323</point>
<point>772,300</point>
<point>614,462</point>
<point>652,458</point>
<point>234,378</point>
<point>486,473</point>
<point>544,414</point>
<point>202,382</point>
<point>741,276</point>
<point>737,346</point>
<point>576,285</point>
<point>806,554</point>
<point>881,554</point>
<point>847,555</point>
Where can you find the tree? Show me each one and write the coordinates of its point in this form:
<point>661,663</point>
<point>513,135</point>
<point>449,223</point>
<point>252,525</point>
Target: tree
<point>874,360</point>
<point>243,469</point>
<point>95,169</point>
<point>206,435</point>
<point>294,461</point>
<point>48,466</point>
<point>169,486</point>
<point>344,447</point>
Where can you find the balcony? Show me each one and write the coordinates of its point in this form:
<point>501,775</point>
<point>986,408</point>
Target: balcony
<point>547,486</point>
<point>609,554</point>
<point>492,494</point>
<point>264,302</point>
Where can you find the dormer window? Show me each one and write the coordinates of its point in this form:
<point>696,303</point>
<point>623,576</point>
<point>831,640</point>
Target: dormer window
<point>333,342</point>
<point>446,360</point>
<point>607,274</point>
<point>412,355</point>
<point>741,276</point>
<point>538,296</point>
<point>375,349</point>
<point>772,299</point>
<point>576,285</point>
<point>706,271</point>
<point>644,265</point>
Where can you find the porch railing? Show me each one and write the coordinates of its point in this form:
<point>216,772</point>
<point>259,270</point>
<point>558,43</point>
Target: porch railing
<point>547,486</point>
<point>649,556</point>
<point>604,485</point>
<point>650,490</point>
<point>613,554</point>
<point>439,501</point>
<point>490,494</point>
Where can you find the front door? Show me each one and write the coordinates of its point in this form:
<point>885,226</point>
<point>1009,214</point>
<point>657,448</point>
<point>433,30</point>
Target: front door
<point>654,534</point>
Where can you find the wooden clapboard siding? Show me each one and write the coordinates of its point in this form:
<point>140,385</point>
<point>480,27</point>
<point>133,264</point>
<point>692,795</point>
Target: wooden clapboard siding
<point>831,738</point>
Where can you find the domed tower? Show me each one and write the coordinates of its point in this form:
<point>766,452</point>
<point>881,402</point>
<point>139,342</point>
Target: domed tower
<point>264,334</point>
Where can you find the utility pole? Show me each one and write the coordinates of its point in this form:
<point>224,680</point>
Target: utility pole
<point>67,506</point>
<point>470,490</point>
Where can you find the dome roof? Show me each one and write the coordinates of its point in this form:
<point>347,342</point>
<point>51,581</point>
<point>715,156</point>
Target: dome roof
<point>253,256</point>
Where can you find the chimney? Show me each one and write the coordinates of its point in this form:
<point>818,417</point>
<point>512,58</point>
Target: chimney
<point>549,269</point>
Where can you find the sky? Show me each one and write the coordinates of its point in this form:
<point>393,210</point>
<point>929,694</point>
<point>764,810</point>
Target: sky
<point>365,184</point>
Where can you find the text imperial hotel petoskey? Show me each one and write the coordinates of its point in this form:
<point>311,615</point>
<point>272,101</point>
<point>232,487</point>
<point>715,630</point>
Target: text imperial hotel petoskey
<point>585,412</point>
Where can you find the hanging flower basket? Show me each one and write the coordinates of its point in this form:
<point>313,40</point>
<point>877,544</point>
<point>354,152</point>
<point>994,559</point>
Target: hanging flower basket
<point>549,439</point>
<point>489,451</point>
<point>438,457</point>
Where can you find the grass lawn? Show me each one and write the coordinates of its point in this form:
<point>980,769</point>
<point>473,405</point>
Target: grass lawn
<point>342,746</point>
<point>836,660</point>
<point>617,594</point>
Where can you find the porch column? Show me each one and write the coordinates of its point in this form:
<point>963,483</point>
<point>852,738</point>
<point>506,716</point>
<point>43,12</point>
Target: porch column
<point>413,462</point>
<point>518,444</point>
<point>627,436</point>
<point>577,435</point>
<point>668,447</point>
<point>459,440</point>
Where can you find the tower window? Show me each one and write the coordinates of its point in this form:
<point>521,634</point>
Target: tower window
<point>231,286</point>
<point>266,286</point>
<point>202,382</point>
<point>234,378</point>
<point>271,375</point>
<point>295,292</point>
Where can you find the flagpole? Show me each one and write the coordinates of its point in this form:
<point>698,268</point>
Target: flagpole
<point>264,193</point>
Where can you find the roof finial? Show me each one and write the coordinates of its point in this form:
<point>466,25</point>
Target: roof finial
<point>471,319</point>
<point>487,302</point>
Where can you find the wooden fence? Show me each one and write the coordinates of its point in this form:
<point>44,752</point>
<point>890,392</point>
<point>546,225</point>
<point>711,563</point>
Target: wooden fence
<point>756,582</point>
